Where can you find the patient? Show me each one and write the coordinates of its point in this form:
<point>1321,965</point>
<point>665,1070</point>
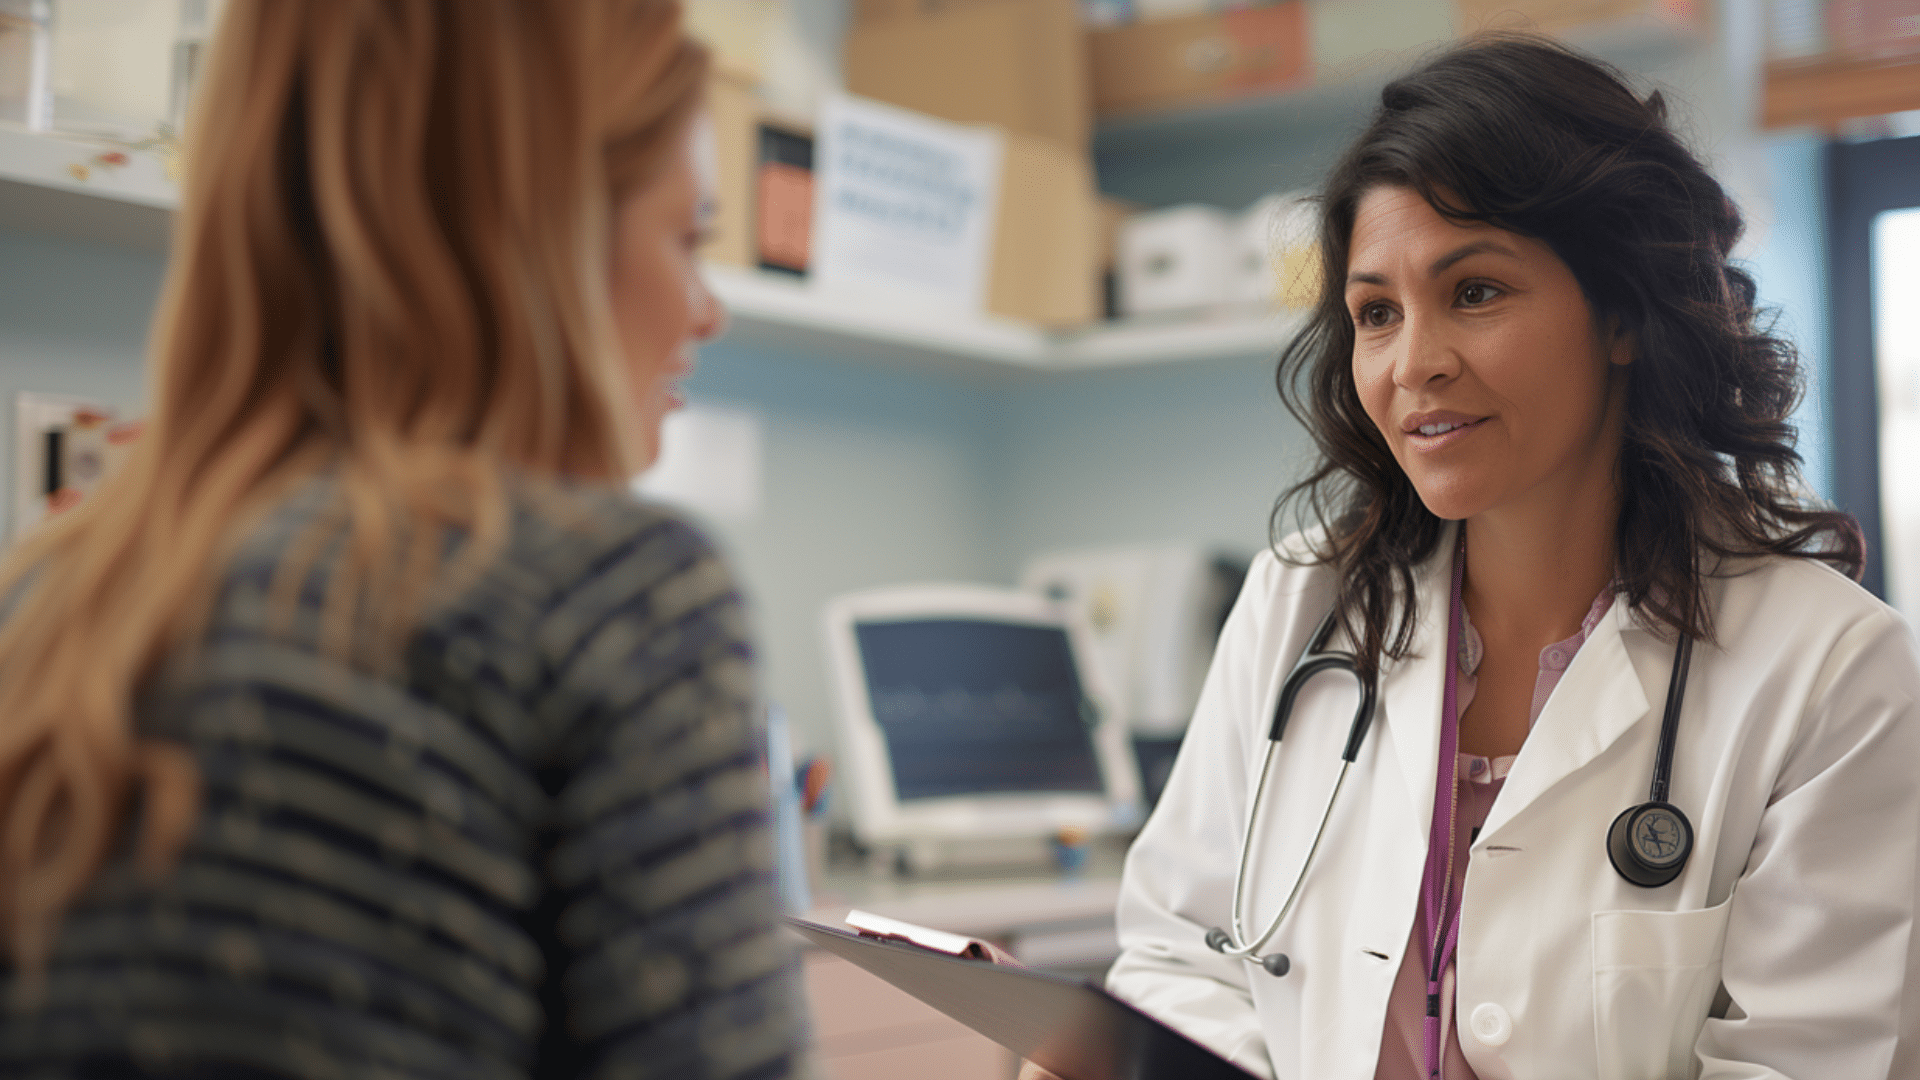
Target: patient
<point>364,726</point>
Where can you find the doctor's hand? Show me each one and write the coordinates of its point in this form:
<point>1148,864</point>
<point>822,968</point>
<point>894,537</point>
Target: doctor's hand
<point>1030,1071</point>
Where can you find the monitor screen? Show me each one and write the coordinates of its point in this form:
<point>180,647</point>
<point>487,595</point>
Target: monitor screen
<point>973,706</point>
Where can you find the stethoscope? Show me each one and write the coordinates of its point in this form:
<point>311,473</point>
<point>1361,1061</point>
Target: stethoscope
<point>1647,844</point>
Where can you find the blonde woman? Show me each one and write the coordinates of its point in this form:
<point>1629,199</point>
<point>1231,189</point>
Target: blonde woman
<point>364,727</point>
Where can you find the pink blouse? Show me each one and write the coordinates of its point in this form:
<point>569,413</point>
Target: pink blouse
<point>1401,1056</point>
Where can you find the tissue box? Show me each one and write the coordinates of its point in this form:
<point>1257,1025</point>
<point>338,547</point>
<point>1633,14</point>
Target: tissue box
<point>1175,259</point>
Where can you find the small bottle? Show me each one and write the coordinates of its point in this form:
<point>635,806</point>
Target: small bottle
<point>1070,850</point>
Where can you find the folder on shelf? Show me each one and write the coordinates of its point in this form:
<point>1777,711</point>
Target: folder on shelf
<point>1070,1027</point>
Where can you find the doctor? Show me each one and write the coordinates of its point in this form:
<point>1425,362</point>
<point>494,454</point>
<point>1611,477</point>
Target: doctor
<point>1553,440</point>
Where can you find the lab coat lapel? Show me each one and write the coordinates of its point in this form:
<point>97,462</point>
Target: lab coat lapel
<point>1599,699</point>
<point>1412,690</point>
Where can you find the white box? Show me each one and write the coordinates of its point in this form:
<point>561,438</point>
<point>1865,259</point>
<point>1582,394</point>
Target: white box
<point>1152,615</point>
<point>904,204</point>
<point>1274,260</point>
<point>1174,259</point>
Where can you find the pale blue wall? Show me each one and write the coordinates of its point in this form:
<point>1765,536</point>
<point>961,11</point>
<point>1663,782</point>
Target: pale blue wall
<point>872,477</point>
<point>73,320</point>
<point>1192,451</point>
<point>878,477</point>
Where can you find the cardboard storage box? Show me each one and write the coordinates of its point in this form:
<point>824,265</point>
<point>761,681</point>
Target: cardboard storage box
<point>1175,63</point>
<point>735,115</point>
<point>1046,266</point>
<point>869,11</point>
<point>1017,64</point>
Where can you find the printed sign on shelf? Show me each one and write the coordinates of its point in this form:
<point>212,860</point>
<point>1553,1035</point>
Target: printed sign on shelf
<point>904,204</point>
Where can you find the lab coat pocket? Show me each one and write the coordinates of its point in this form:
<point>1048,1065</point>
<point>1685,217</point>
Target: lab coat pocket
<point>1655,974</point>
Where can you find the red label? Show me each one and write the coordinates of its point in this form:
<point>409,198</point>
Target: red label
<point>785,226</point>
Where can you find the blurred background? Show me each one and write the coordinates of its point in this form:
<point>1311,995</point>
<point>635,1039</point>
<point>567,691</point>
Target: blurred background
<point>1008,279</point>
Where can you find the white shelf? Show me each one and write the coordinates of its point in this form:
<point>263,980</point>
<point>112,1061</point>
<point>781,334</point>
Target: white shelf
<point>1216,335</point>
<point>59,187</point>
<point>776,312</point>
<point>62,187</point>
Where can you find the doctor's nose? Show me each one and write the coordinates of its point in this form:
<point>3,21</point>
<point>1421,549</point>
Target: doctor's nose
<point>1424,356</point>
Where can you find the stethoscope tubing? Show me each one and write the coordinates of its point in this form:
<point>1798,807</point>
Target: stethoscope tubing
<point>1314,661</point>
<point>1317,659</point>
<point>1246,951</point>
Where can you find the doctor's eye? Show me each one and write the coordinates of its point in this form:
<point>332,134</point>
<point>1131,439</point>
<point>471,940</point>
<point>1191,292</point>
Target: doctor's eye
<point>1477,293</point>
<point>1374,316</point>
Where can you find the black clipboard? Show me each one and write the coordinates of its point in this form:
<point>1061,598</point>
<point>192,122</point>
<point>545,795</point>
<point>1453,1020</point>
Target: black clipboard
<point>1069,1027</point>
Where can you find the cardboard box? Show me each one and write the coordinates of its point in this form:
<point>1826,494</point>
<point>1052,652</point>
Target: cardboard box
<point>870,11</point>
<point>735,32</point>
<point>734,112</point>
<point>1874,29</point>
<point>1046,266</point>
<point>1017,64</point>
<point>1176,63</point>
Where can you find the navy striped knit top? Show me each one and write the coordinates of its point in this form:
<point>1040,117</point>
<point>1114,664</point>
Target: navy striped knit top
<point>538,850</point>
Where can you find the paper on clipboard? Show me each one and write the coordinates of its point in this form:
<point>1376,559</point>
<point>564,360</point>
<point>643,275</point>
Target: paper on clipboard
<point>879,926</point>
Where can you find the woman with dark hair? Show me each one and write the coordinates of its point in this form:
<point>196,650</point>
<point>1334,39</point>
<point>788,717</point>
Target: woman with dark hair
<point>1637,794</point>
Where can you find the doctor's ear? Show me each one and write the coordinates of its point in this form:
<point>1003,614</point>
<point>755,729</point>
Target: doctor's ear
<point>1619,343</point>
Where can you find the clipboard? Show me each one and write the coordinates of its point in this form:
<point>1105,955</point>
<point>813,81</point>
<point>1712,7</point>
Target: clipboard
<point>1072,1028</point>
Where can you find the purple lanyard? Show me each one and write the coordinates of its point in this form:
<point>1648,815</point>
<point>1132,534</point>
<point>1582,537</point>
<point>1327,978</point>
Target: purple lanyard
<point>1441,906</point>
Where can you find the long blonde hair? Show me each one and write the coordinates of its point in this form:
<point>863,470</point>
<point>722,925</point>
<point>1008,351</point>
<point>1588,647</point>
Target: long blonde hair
<point>389,265</point>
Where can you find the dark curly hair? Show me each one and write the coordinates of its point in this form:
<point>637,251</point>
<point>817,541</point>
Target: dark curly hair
<point>1527,135</point>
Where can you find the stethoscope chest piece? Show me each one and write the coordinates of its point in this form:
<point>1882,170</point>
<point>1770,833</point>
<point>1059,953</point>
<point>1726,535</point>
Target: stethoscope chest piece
<point>1649,844</point>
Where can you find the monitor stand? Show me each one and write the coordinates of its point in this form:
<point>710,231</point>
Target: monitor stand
<point>974,858</point>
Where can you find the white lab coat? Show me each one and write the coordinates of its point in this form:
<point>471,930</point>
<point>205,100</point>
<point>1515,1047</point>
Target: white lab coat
<point>1781,951</point>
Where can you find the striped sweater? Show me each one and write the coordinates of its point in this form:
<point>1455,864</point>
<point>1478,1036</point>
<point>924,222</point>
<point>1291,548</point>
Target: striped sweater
<point>539,849</point>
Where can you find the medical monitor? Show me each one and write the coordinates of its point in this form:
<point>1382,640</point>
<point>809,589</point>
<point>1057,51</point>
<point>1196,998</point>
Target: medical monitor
<point>968,712</point>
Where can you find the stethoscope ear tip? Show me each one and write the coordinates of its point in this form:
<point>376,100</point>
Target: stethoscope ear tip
<point>1276,964</point>
<point>1217,940</point>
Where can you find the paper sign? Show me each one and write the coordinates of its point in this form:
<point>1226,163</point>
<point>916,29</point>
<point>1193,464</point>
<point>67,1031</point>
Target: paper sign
<point>904,203</point>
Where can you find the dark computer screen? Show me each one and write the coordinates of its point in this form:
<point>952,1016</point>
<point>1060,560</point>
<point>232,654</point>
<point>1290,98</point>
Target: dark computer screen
<point>973,707</point>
